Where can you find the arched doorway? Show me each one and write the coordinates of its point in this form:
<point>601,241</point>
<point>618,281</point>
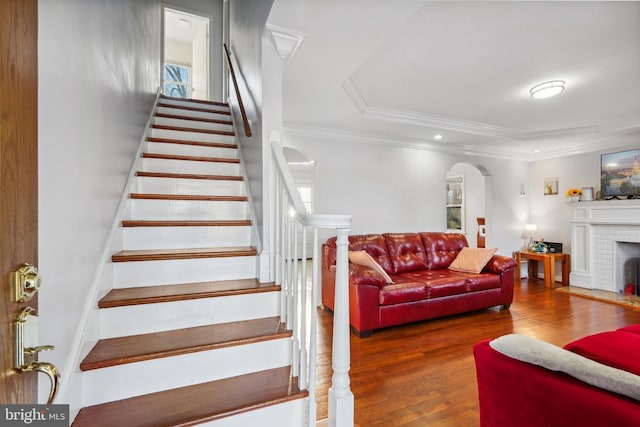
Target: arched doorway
<point>476,199</point>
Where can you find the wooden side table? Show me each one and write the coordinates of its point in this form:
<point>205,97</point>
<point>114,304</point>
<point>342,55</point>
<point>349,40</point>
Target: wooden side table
<point>549,262</point>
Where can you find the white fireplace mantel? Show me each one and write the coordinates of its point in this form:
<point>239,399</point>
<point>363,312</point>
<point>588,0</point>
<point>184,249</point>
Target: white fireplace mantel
<point>595,229</point>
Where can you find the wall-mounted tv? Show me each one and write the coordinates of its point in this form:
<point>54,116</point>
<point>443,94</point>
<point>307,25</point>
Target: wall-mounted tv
<point>620,175</point>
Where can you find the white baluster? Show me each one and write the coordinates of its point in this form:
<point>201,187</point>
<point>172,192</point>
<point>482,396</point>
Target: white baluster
<point>340,395</point>
<point>313,333</point>
<point>302,377</point>
<point>295,287</point>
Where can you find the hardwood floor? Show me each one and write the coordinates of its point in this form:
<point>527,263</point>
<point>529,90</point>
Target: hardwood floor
<point>423,374</point>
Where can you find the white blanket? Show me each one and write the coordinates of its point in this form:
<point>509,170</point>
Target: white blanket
<point>549,356</point>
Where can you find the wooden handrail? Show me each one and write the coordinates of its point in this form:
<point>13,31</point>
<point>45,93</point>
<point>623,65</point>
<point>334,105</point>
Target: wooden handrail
<point>245,120</point>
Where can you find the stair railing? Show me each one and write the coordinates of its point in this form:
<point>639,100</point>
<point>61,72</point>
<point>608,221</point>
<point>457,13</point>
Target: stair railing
<point>291,223</point>
<point>245,120</point>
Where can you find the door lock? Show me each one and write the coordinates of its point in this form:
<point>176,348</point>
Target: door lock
<point>26,350</point>
<point>26,282</point>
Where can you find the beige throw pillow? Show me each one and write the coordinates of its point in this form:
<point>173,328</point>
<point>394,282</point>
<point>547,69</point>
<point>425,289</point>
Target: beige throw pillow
<point>472,260</point>
<point>363,258</point>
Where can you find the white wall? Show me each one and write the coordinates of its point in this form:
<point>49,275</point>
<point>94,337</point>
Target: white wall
<point>247,20</point>
<point>176,51</point>
<point>553,213</point>
<point>99,69</point>
<point>396,189</point>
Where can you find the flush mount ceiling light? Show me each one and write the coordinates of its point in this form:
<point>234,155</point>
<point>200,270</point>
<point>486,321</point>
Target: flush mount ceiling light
<point>547,89</point>
<point>437,136</point>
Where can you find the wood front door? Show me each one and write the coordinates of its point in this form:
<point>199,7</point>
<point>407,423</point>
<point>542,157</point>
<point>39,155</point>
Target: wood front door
<point>18,179</point>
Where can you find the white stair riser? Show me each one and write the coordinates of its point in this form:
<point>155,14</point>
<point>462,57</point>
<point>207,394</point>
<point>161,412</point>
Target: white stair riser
<point>142,209</point>
<point>190,150</point>
<point>187,103</point>
<point>189,166</point>
<point>152,185</point>
<point>198,124</point>
<point>192,136</point>
<point>133,379</point>
<point>287,414</point>
<point>150,273</point>
<point>197,114</point>
<point>185,237</point>
<point>148,318</point>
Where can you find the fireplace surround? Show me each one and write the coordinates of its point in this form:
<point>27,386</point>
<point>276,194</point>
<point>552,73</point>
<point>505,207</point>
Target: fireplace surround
<point>605,235</point>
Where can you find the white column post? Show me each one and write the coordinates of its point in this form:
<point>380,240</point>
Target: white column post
<point>340,395</point>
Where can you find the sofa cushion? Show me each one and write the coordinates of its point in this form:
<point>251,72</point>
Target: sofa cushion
<point>442,248</point>
<point>446,288</point>
<point>482,281</point>
<point>472,260</point>
<point>375,246</point>
<point>402,292</point>
<point>406,252</point>
<point>363,258</point>
<point>618,349</point>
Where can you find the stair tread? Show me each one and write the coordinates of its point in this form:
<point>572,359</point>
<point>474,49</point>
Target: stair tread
<point>197,403</point>
<point>190,253</point>
<point>190,158</point>
<point>193,119</point>
<point>200,223</point>
<point>196,101</point>
<point>198,130</point>
<point>153,196</point>
<point>189,176</point>
<point>198,109</point>
<point>191,142</point>
<point>184,291</point>
<point>137,348</point>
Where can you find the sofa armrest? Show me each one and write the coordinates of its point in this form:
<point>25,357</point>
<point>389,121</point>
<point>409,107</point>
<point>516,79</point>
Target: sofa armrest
<point>360,275</point>
<point>499,264</point>
<point>541,353</point>
<point>513,393</point>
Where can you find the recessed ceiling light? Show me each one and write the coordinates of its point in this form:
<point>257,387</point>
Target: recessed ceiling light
<point>437,136</point>
<point>184,23</point>
<point>547,89</point>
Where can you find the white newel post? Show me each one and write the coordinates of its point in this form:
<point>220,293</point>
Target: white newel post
<point>340,395</point>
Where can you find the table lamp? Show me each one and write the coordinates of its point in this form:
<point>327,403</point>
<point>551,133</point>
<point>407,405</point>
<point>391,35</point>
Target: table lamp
<point>529,231</point>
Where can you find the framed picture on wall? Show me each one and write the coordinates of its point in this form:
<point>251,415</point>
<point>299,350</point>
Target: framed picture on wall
<point>550,186</point>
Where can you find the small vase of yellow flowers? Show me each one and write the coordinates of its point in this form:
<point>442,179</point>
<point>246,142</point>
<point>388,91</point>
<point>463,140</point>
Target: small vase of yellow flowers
<point>573,194</point>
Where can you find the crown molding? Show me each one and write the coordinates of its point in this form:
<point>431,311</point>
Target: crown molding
<point>459,125</point>
<point>556,133</point>
<point>596,144</point>
<point>399,142</point>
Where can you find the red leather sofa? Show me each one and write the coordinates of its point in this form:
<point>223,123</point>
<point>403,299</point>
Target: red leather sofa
<point>514,391</point>
<point>423,287</point>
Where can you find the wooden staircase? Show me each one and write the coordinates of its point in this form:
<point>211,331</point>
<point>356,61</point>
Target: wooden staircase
<point>188,334</point>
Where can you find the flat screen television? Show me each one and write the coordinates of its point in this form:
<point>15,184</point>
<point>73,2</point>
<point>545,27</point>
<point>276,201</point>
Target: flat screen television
<point>620,175</point>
